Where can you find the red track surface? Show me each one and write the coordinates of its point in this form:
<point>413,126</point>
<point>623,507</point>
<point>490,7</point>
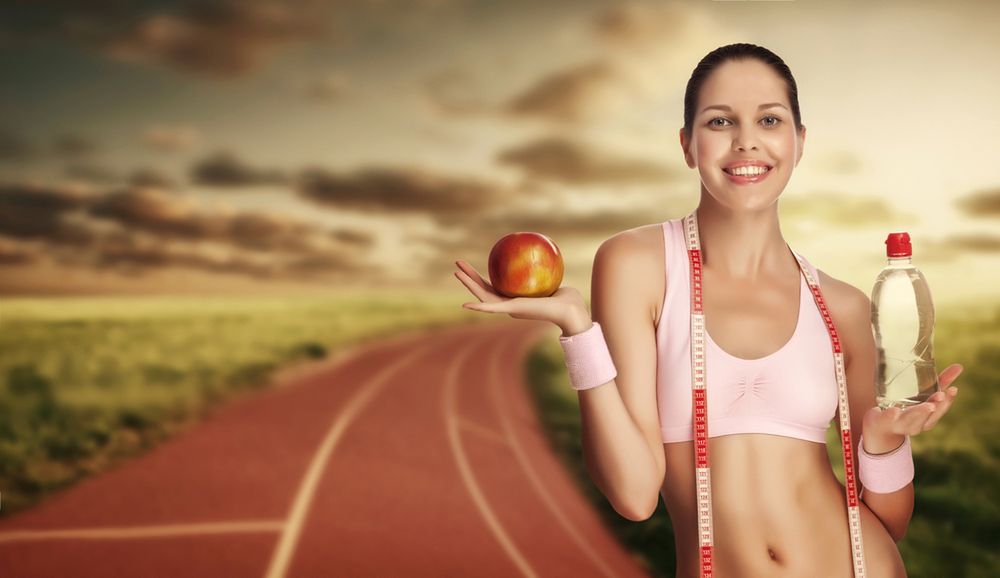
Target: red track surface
<point>416,456</point>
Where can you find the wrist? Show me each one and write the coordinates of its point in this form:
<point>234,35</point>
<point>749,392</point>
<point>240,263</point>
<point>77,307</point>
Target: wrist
<point>577,321</point>
<point>882,443</point>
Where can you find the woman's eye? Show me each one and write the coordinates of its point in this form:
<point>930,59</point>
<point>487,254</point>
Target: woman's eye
<point>774,118</point>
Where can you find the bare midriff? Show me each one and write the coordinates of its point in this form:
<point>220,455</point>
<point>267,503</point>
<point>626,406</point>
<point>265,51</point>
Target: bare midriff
<point>778,511</point>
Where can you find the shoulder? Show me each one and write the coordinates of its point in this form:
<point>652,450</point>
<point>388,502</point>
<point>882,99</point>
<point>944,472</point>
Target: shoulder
<point>850,309</point>
<point>841,297</point>
<point>634,260</point>
<point>639,243</point>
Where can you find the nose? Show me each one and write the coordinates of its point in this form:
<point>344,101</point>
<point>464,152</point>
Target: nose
<point>745,139</point>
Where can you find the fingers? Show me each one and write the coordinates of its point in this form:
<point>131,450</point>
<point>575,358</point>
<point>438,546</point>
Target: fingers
<point>943,401</point>
<point>473,274</point>
<point>949,374</point>
<point>912,420</point>
<point>471,285</point>
<point>486,295</point>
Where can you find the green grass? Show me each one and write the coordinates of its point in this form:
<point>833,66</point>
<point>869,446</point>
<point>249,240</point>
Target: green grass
<point>88,382</point>
<point>955,529</point>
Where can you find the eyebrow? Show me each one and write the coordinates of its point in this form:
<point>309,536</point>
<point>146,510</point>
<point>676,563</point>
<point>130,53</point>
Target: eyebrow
<point>761,107</point>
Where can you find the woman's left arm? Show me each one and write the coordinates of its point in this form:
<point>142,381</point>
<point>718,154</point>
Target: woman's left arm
<point>884,431</point>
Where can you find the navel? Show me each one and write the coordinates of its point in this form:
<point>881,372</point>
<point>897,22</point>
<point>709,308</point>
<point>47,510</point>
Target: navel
<point>773,555</point>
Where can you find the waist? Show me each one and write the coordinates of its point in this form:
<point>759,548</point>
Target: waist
<point>777,506</point>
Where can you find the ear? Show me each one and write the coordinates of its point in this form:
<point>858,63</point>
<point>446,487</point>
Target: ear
<point>802,144</point>
<point>684,147</point>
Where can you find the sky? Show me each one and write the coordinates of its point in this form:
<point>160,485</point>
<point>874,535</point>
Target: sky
<point>299,146</point>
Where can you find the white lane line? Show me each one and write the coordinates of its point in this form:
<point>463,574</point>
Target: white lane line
<point>449,405</point>
<point>241,527</point>
<point>282,556</point>
<point>482,431</point>
<point>503,409</point>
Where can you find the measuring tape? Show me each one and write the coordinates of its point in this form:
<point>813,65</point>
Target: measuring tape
<point>703,472</point>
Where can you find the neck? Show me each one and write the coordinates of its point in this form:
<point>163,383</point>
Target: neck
<point>744,245</point>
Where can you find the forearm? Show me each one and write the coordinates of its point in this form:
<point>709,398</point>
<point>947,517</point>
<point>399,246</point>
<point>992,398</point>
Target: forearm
<point>894,509</point>
<point>616,453</point>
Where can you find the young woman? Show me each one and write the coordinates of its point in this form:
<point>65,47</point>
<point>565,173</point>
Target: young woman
<point>724,281</point>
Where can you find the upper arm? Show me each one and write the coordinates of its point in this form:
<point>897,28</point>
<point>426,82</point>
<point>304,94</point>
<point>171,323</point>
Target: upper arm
<point>623,306</point>
<point>851,311</point>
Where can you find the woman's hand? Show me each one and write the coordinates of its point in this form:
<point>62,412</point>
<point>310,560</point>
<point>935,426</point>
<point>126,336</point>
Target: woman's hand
<point>892,423</point>
<point>566,307</point>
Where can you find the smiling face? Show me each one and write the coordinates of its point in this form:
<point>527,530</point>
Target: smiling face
<point>745,132</point>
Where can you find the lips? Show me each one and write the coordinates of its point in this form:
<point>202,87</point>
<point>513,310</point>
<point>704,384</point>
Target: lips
<point>746,163</point>
<point>728,170</point>
<point>746,180</point>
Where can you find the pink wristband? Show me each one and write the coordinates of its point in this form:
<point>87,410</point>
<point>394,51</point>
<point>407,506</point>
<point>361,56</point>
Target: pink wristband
<point>885,473</point>
<point>588,359</point>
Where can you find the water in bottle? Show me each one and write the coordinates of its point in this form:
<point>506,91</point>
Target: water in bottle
<point>903,321</point>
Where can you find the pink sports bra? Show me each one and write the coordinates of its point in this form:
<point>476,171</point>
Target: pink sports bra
<point>791,392</point>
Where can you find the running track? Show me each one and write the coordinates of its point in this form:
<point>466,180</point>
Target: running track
<point>420,455</point>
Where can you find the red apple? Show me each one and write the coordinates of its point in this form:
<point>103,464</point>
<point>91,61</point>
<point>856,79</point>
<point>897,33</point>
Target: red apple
<point>525,264</point>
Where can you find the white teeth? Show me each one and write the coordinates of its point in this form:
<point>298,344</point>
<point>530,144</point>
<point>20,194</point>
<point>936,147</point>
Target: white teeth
<point>748,171</point>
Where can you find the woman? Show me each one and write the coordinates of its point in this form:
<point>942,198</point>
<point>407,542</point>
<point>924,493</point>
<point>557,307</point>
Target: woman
<point>777,509</point>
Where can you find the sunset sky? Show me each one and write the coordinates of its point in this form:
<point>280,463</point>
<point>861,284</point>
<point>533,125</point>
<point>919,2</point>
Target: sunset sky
<point>244,146</point>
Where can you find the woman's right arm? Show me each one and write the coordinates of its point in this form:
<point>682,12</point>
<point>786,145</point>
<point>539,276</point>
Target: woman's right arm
<point>620,419</point>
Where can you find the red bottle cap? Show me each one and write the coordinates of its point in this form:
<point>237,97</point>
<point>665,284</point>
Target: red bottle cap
<point>898,245</point>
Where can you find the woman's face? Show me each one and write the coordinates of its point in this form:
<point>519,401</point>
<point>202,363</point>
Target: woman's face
<point>720,138</point>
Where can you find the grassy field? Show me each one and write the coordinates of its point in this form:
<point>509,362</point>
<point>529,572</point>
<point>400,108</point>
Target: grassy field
<point>87,382</point>
<point>955,529</point>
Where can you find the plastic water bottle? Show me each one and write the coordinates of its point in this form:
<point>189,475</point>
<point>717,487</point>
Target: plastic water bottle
<point>903,320</point>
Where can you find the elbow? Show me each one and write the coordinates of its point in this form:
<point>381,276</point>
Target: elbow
<point>639,512</point>
<point>898,535</point>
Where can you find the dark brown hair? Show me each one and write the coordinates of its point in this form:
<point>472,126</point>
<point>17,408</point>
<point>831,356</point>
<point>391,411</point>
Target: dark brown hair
<point>738,52</point>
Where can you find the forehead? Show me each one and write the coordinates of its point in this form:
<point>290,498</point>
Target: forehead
<point>743,85</point>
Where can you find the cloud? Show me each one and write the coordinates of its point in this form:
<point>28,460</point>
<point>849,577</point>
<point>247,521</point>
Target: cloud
<point>71,147</point>
<point>14,147</point>
<point>74,146</point>
<point>135,255</point>
<point>31,211</point>
<point>985,203</point>
<point>12,253</point>
<point>225,38</point>
<point>223,169</point>
<point>842,210</point>
<point>152,178</point>
<point>355,238</point>
<point>148,210</point>
<point>581,93</point>
<point>220,38</point>
<point>974,242</point>
<point>172,138</point>
<point>91,173</point>
<point>646,50</point>
<point>333,88</point>
<point>454,92</point>
<point>133,230</point>
<point>178,217</point>
<point>397,190</point>
<point>572,162</point>
<point>646,27</point>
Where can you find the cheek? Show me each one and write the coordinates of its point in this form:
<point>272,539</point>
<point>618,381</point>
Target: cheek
<point>712,148</point>
<point>782,145</point>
